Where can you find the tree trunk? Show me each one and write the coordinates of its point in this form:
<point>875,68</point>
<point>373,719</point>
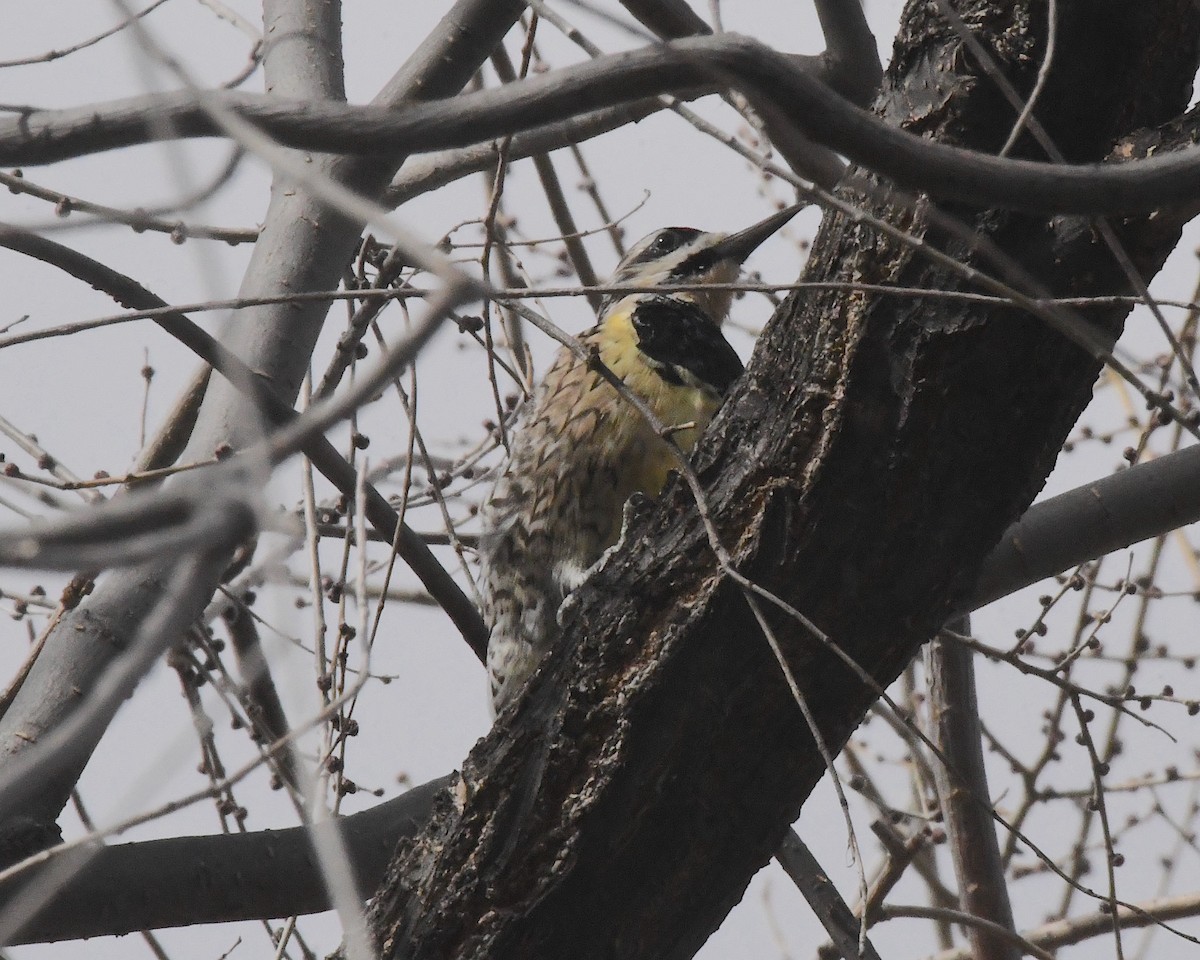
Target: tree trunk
<point>873,453</point>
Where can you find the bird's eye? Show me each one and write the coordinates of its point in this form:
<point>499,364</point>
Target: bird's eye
<point>666,241</point>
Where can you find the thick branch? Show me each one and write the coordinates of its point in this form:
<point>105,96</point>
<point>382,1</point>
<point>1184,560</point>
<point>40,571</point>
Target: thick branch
<point>1175,484</point>
<point>851,57</point>
<point>1144,501</point>
<point>686,68</point>
<point>240,876</point>
<point>864,466</point>
<point>669,19</point>
<point>432,170</point>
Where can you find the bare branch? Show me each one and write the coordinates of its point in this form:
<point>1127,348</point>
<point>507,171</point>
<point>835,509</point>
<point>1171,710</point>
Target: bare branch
<point>669,19</point>
<point>427,172</point>
<point>851,57</point>
<point>685,68</point>
<point>1144,501</point>
<point>241,880</point>
<point>1063,933</point>
<point>962,788</point>
<point>51,763</point>
<point>1022,946</point>
<point>257,389</point>
<point>302,247</point>
<point>822,896</point>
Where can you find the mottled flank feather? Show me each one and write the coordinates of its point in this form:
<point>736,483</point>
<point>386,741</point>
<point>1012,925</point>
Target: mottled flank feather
<point>577,453</point>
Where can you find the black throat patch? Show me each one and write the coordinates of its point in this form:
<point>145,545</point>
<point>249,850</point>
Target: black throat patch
<point>682,337</point>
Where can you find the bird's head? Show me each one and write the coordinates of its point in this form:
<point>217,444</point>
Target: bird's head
<point>683,256</point>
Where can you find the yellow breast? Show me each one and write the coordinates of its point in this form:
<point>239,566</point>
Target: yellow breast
<point>675,405</point>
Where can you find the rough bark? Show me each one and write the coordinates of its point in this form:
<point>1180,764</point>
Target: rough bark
<point>874,452</point>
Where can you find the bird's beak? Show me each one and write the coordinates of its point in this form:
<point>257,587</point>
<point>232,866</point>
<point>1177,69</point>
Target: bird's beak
<point>738,246</point>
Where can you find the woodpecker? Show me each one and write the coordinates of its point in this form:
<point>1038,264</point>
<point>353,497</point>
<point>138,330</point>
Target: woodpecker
<point>578,450</point>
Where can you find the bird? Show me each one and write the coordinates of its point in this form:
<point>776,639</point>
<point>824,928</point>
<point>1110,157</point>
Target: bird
<point>578,450</point>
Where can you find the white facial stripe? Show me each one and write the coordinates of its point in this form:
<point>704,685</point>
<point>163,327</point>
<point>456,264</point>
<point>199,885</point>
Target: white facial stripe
<point>658,271</point>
